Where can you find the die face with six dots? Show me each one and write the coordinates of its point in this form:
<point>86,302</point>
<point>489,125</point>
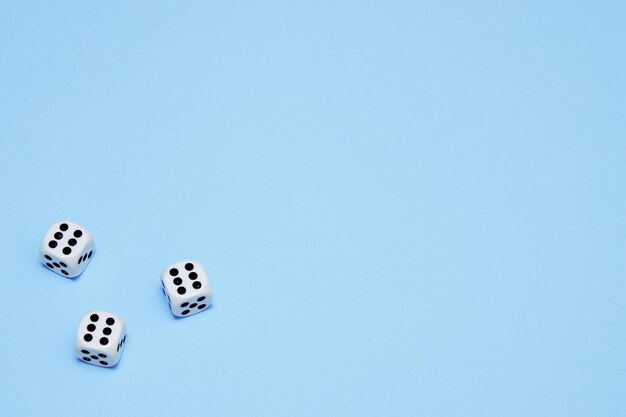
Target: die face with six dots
<point>66,248</point>
<point>100,338</point>
<point>186,288</point>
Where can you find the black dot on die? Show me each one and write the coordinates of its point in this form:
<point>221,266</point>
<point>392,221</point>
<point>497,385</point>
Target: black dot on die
<point>173,272</point>
<point>78,233</point>
<point>90,252</point>
<point>185,312</point>
<point>189,266</point>
<point>67,250</point>
<point>201,306</point>
<point>196,285</point>
<point>88,338</point>
<point>106,331</point>
<point>56,264</point>
<point>185,304</point>
<point>104,363</point>
<point>64,272</point>
<point>80,260</point>
<point>49,265</point>
<point>91,327</point>
<point>201,298</point>
<point>193,275</point>
<point>63,227</point>
<point>58,235</point>
<point>193,305</point>
<point>63,264</point>
<point>110,321</point>
<point>181,290</point>
<point>86,359</point>
<point>94,317</point>
<point>104,341</point>
<point>102,355</point>
<point>86,352</point>
<point>53,244</point>
<point>177,281</point>
<point>94,357</point>
<point>47,257</point>
<point>72,242</point>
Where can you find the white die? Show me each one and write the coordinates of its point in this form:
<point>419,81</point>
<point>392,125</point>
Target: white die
<point>186,288</point>
<point>100,338</point>
<point>66,248</point>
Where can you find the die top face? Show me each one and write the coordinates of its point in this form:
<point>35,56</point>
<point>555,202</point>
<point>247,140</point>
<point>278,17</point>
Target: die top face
<point>65,240</point>
<point>101,332</point>
<point>185,278</point>
<point>187,287</point>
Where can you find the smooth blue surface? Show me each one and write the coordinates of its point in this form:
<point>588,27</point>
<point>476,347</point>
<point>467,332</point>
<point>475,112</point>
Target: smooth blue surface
<point>404,209</point>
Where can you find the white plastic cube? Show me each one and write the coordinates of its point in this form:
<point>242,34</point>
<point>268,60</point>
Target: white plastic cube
<point>66,248</point>
<point>186,288</point>
<point>100,338</point>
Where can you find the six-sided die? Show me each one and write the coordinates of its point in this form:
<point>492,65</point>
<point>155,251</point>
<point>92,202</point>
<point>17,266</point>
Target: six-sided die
<point>100,338</point>
<point>66,248</point>
<point>186,288</point>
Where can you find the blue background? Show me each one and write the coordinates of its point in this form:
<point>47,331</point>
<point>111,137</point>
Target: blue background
<point>404,209</point>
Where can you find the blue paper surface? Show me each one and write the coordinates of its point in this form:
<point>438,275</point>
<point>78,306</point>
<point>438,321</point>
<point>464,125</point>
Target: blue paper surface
<point>404,208</point>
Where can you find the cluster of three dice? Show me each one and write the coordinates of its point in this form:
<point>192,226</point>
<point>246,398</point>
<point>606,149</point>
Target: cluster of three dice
<point>67,249</point>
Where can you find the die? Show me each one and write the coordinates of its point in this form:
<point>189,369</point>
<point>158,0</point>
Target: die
<point>66,248</point>
<point>100,338</point>
<point>186,288</point>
